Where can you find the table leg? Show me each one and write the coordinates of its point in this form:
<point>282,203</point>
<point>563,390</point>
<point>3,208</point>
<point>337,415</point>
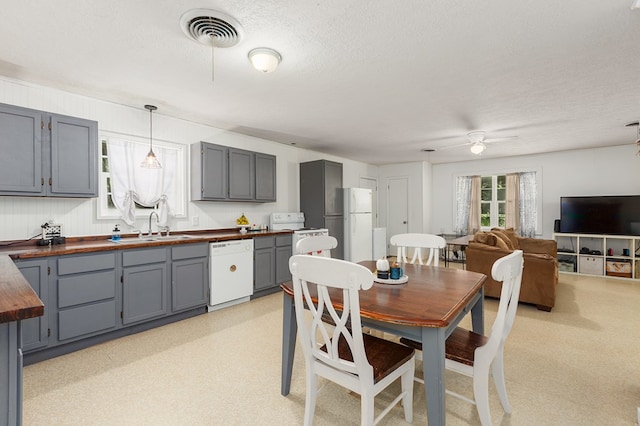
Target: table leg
<point>289,330</point>
<point>477,314</point>
<point>433,340</point>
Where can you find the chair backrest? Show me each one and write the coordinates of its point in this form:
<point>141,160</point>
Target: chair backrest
<point>431,243</point>
<point>507,269</point>
<point>318,339</point>
<point>317,245</point>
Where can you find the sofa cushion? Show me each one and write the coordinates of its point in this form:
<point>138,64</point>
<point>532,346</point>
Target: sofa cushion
<point>513,237</point>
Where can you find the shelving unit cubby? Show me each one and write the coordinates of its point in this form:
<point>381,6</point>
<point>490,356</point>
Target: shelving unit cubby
<point>599,254</point>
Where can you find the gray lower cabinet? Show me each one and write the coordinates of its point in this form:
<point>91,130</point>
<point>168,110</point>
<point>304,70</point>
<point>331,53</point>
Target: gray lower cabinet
<point>35,330</point>
<point>189,276</point>
<point>86,295</point>
<point>220,173</point>
<point>144,284</point>
<point>52,155</point>
<point>271,263</point>
<point>10,374</point>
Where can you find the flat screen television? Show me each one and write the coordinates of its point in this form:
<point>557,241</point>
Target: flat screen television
<point>613,215</point>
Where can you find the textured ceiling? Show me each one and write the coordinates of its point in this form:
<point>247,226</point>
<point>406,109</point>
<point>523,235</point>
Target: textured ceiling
<point>375,81</point>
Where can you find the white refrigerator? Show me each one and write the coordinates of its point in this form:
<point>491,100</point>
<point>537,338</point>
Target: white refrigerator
<point>358,224</point>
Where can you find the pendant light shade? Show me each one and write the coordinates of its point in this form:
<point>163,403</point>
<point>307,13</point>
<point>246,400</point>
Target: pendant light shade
<point>150,161</point>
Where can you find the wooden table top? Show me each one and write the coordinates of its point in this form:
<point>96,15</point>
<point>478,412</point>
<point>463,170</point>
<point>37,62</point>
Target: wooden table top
<point>461,241</point>
<point>432,297</point>
<point>18,301</point>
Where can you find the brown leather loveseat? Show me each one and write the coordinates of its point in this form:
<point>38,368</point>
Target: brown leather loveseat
<point>540,273</point>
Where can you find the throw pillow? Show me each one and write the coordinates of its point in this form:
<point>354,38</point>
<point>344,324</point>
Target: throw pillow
<point>500,241</point>
<point>504,237</point>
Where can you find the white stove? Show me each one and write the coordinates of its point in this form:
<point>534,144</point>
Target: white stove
<point>295,222</point>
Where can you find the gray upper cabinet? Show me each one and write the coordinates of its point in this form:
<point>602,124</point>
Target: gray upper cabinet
<point>242,175</point>
<point>220,173</point>
<point>74,157</point>
<point>52,155</point>
<point>265,177</point>
<point>209,171</point>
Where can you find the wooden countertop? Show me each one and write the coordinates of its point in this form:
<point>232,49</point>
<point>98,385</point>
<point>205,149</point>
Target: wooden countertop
<point>29,249</point>
<point>18,301</point>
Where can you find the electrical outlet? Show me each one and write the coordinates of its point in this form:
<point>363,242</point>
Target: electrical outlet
<point>195,221</point>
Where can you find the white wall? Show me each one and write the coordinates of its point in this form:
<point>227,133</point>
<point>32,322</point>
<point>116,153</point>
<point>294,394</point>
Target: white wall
<point>21,217</point>
<point>599,171</point>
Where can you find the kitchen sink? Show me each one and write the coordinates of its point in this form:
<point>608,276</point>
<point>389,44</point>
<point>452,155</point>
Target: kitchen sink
<point>144,238</point>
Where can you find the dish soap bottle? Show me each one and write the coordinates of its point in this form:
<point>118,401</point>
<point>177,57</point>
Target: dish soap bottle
<point>115,234</point>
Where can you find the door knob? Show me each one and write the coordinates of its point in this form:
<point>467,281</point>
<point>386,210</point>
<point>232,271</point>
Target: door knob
<point>404,222</point>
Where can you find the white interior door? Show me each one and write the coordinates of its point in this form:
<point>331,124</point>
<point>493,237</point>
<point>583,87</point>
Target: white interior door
<point>397,208</point>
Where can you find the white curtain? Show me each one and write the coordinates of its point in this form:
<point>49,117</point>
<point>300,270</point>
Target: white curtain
<point>528,204</point>
<point>474,205</point>
<point>463,194</point>
<point>131,183</point>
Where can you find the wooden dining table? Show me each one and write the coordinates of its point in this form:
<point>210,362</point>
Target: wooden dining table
<point>426,309</point>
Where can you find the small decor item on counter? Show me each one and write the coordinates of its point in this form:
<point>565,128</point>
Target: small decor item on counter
<point>115,234</point>
<point>382,268</point>
<point>243,223</point>
<point>396,271</point>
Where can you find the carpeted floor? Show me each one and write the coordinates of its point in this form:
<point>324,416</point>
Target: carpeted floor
<point>577,365</point>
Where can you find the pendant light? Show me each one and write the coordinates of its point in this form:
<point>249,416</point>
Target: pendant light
<point>150,161</point>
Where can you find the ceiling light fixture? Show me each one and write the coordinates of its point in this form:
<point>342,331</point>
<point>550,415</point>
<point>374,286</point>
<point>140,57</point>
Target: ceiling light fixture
<point>477,148</point>
<point>264,59</point>
<point>150,161</point>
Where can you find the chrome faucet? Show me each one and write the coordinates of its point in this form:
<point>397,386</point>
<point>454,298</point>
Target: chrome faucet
<point>150,233</point>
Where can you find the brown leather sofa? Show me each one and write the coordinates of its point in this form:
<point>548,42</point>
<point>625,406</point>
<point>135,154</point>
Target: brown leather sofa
<point>540,272</point>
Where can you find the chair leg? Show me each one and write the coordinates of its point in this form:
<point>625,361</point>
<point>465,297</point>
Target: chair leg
<point>367,414</point>
<point>310,400</point>
<point>407,386</point>
<point>497,369</point>
<point>481,395</point>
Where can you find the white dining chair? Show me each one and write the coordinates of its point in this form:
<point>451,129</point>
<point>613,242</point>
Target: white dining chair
<point>431,243</point>
<point>474,355</point>
<point>317,245</point>
<point>361,363</point>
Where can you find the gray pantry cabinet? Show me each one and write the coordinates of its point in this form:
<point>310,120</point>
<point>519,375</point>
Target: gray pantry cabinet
<point>270,263</point>
<point>321,199</point>
<point>220,173</point>
<point>51,155</point>
<point>10,374</point>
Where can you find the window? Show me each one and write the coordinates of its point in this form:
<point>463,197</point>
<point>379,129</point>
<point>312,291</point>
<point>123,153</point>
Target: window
<point>106,207</point>
<point>493,211</point>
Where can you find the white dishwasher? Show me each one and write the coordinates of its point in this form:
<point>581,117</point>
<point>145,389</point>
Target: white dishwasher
<point>231,273</point>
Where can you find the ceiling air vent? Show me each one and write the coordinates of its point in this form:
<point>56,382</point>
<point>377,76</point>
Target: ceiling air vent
<point>209,27</point>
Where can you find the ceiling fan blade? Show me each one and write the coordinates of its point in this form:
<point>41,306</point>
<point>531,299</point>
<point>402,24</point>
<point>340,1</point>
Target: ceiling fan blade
<point>501,139</point>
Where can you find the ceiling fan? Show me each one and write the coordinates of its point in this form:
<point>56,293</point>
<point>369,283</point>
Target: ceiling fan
<point>477,142</point>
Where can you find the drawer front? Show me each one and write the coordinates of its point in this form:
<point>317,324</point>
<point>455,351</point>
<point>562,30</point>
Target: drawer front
<point>87,319</point>
<point>591,265</point>
<point>264,242</point>
<point>283,240</point>
<point>143,257</point>
<point>189,251</point>
<point>86,288</point>
<point>94,262</point>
